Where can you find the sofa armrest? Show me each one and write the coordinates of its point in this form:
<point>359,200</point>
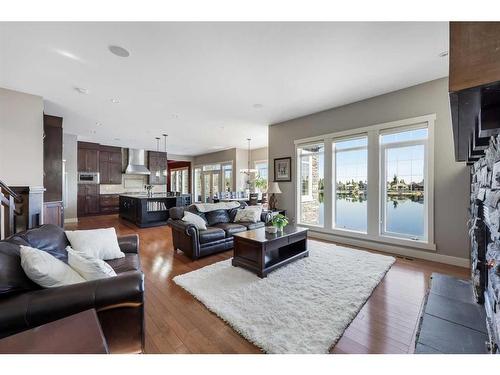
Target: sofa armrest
<point>187,228</point>
<point>28,310</point>
<point>129,243</point>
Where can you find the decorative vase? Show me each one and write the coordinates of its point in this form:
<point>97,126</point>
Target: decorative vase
<point>280,228</point>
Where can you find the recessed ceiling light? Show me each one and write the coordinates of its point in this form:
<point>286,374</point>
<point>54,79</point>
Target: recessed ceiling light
<point>443,54</point>
<point>258,106</point>
<point>119,51</point>
<point>82,90</point>
<point>116,139</point>
<point>114,101</point>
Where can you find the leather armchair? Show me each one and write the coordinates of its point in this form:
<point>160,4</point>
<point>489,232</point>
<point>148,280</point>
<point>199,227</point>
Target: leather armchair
<point>119,301</point>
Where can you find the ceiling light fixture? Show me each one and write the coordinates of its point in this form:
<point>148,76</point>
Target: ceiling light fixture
<point>119,51</point>
<point>443,54</point>
<point>258,106</point>
<point>248,171</point>
<point>82,90</point>
<point>114,101</point>
<point>98,123</point>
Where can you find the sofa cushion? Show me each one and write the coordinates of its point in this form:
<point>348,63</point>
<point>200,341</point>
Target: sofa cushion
<point>251,226</point>
<point>217,216</point>
<point>211,234</point>
<point>193,209</point>
<point>230,228</point>
<point>49,238</point>
<point>12,277</point>
<point>129,263</point>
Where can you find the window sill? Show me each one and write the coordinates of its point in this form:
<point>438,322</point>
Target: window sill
<point>422,245</point>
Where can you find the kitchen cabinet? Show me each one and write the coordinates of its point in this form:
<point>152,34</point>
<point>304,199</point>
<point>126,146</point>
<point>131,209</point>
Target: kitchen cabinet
<point>53,213</point>
<point>157,165</point>
<point>88,200</point>
<point>52,158</point>
<point>88,157</point>
<point>109,203</point>
<point>110,165</point>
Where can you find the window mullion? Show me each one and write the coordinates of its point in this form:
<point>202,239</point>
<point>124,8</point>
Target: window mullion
<point>373,191</point>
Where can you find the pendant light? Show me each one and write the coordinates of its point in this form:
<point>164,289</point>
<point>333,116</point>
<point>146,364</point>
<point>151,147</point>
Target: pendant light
<point>165,172</point>
<point>248,170</point>
<point>157,174</point>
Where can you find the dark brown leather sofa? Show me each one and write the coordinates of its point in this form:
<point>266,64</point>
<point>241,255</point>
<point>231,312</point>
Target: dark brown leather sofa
<point>216,238</point>
<point>119,301</point>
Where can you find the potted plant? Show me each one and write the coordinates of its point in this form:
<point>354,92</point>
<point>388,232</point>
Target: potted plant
<point>260,184</point>
<point>280,221</point>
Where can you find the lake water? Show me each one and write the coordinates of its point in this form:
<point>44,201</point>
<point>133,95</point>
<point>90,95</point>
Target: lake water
<point>404,215</point>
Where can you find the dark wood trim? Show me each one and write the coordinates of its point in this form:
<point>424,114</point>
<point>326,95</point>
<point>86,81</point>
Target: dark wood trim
<point>89,145</point>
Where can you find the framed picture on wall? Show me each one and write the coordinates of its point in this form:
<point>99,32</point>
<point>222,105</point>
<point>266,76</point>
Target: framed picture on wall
<point>283,169</point>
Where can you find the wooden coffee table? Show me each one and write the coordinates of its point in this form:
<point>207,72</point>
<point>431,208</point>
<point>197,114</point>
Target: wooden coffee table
<point>262,252</point>
<point>76,334</point>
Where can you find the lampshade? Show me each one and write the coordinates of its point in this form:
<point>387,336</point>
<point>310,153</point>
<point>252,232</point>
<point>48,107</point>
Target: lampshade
<point>274,188</point>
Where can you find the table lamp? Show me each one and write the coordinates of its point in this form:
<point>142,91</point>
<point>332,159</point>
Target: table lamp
<point>273,189</point>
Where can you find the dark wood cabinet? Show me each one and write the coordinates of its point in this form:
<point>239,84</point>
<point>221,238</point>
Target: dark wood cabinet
<point>52,158</point>
<point>157,164</point>
<point>53,213</point>
<point>88,157</point>
<point>109,203</point>
<point>110,165</point>
<point>88,200</point>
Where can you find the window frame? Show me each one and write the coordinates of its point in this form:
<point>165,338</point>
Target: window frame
<point>334,176</point>
<point>298,171</point>
<point>383,181</point>
<point>373,176</point>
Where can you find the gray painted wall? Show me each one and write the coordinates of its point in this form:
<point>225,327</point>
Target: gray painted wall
<point>451,179</point>
<point>21,138</point>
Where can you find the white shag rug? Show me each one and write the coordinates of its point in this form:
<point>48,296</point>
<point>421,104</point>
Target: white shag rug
<point>303,307</point>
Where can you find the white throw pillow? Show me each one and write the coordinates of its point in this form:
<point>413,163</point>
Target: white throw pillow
<point>89,268</point>
<point>97,243</point>
<point>194,219</point>
<point>46,270</point>
<point>250,213</point>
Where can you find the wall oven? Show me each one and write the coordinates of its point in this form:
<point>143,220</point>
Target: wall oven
<point>88,177</point>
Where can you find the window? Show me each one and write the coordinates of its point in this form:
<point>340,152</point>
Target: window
<point>403,162</point>
<point>261,167</point>
<point>311,179</point>
<point>227,170</point>
<point>373,183</point>
<point>179,180</point>
<point>197,184</point>
<point>351,183</point>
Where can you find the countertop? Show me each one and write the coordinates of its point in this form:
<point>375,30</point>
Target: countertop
<point>145,196</point>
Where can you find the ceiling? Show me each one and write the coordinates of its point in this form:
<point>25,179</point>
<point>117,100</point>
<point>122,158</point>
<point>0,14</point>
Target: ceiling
<point>200,82</point>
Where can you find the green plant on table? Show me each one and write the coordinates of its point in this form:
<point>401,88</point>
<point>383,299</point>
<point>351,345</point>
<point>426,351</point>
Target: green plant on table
<point>280,221</point>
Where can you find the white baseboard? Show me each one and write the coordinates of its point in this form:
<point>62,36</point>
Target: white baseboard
<point>71,220</point>
<point>386,248</point>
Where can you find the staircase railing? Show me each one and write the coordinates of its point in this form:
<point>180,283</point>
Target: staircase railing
<point>8,200</point>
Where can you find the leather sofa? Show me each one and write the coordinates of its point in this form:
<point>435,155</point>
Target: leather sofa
<point>216,238</point>
<point>119,301</point>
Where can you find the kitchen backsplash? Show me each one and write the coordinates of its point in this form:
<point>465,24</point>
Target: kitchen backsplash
<point>130,183</point>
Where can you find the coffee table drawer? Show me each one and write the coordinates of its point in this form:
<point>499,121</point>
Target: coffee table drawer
<point>277,243</point>
<point>297,237</point>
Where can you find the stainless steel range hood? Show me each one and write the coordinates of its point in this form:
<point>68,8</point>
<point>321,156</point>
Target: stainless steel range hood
<point>136,162</point>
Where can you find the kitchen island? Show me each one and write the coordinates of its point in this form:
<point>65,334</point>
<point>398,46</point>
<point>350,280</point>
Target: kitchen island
<point>150,211</point>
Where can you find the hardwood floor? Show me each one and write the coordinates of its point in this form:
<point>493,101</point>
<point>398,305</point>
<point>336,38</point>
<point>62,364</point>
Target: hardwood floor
<point>177,323</point>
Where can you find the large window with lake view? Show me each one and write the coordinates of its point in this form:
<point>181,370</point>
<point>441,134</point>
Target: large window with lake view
<point>403,190</point>
<point>311,180</point>
<point>351,183</point>
<point>373,183</point>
